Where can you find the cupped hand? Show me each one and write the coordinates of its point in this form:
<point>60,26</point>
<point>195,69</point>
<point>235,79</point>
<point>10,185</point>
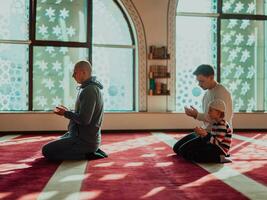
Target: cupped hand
<point>60,110</point>
<point>192,112</point>
<point>200,131</point>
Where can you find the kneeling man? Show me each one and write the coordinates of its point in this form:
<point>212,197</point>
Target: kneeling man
<point>83,138</point>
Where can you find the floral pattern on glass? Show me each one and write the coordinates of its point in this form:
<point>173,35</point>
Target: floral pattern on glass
<point>52,76</point>
<point>14,20</point>
<point>61,20</point>
<point>242,63</point>
<point>195,45</point>
<point>114,69</point>
<point>249,7</point>
<point>13,77</point>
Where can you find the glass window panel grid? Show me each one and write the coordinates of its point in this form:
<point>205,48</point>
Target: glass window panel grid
<point>13,77</point>
<point>61,20</point>
<point>243,63</point>
<point>45,87</point>
<point>52,76</point>
<point>109,23</point>
<point>114,68</point>
<point>238,43</point>
<point>199,6</point>
<point>198,44</point>
<point>14,20</point>
<point>249,7</point>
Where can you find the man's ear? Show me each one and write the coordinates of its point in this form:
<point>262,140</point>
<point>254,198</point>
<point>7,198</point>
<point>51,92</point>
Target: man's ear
<point>211,76</point>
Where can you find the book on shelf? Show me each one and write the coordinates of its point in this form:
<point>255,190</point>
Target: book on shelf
<point>158,71</point>
<point>158,88</point>
<point>158,52</point>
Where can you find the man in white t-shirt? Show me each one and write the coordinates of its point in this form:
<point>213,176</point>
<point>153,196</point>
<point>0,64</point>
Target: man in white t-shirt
<point>214,90</point>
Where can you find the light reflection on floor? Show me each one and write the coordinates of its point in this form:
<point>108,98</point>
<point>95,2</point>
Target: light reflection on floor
<point>248,158</point>
<point>27,140</point>
<point>105,164</point>
<point>134,164</point>
<point>111,177</point>
<point>153,192</point>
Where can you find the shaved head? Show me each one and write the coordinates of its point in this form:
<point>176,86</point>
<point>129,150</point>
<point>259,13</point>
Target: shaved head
<point>84,66</point>
<point>82,71</point>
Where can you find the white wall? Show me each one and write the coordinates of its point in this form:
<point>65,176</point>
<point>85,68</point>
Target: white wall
<point>154,16</point>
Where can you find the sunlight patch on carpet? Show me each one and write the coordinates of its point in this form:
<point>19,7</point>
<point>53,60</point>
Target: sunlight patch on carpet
<point>106,164</point>
<point>153,192</point>
<point>89,195</point>
<point>148,155</point>
<point>134,164</point>
<point>112,177</point>
<point>163,164</point>
<point>77,177</point>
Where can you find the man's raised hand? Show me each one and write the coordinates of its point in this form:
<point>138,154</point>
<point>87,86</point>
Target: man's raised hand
<point>192,112</point>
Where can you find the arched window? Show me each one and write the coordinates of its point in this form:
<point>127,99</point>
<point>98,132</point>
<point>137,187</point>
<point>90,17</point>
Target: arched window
<point>41,41</point>
<point>229,35</point>
<point>113,55</point>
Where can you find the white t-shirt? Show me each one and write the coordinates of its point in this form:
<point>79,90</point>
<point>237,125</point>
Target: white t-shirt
<point>218,92</point>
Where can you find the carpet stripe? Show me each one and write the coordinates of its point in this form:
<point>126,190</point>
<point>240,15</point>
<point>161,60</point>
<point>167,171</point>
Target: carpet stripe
<point>66,181</point>
<point>251,140</point>
<point>127,144</point>
<point>228,175</point>
<point>248,140</point>
<point>151,171</point>
<point>7,137</point>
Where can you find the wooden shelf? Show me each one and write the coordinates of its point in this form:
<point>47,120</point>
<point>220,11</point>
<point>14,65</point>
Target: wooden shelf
<point>158,70</point>
<point>158,58</point>
<point>168,75</point>
<point>161,94</point>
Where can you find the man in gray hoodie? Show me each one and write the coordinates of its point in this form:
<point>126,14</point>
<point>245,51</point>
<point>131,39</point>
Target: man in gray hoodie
<point>83,138</point>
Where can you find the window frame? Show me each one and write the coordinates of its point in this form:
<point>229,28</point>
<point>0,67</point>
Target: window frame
<point>35,43</point>
<point>133,47</point>
<point>220,15</point>
<point>32,42</point>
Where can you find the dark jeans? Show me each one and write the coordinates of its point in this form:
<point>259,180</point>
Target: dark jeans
<point>68,148</point>
<point>184,140</point>
<point>195,148</point>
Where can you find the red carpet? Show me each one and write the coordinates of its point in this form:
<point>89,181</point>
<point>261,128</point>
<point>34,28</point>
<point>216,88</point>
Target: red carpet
<point>251,159</point>
<point>150,172</point>
<point>23,171</point>
<point>140,166</point>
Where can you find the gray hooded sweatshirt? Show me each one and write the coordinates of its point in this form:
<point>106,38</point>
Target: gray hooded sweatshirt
<point>85,121</point>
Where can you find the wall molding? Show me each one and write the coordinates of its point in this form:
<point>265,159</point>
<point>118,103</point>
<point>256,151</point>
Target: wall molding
<point>141,48</point>
<point>171,37</point>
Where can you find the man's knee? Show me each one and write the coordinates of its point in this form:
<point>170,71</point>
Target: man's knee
<point>48,152</point>
<point>45,150</point>
<point>176,147</point>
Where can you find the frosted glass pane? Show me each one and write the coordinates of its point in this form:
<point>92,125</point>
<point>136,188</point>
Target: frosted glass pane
<point>243,68</point>
<point>201,6</point>
<point>13,77</point>
<point>61,20</point>
<point>114,68</point>
<point>245,6</point>
<point>14,19</point>
<point>109,25</point>
<point>52,76</point>
<point>195,45</point>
